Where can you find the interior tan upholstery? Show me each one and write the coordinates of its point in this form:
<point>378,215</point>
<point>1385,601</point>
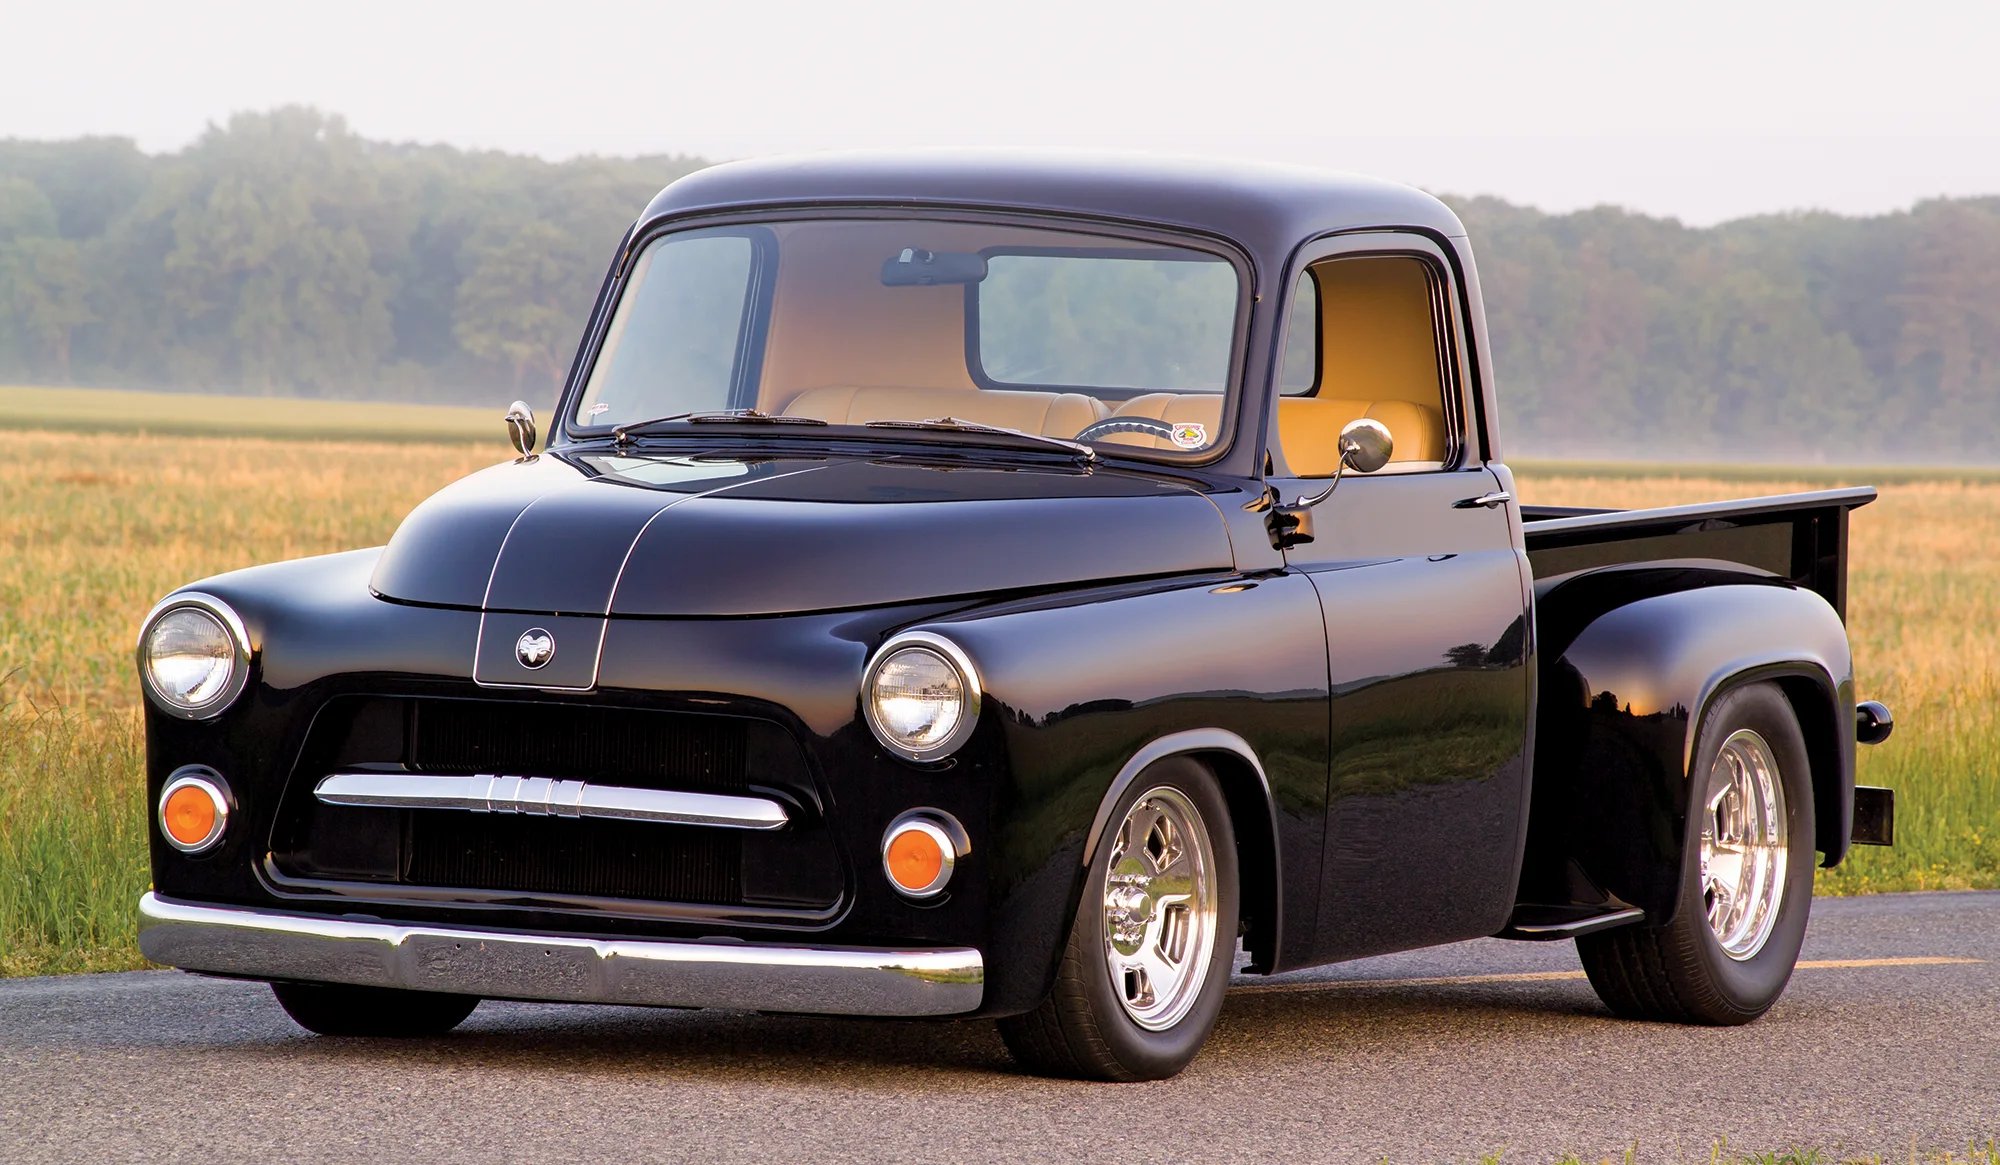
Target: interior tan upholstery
<point>832,321</point>
<point>1051,414</point>
<point>1378,359</point>
<point>1378,339</point>
<point>1203,408</point>
<point>1309,430</point>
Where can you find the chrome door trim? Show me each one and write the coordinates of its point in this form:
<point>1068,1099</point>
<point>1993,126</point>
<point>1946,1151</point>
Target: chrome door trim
<point>546,797</point>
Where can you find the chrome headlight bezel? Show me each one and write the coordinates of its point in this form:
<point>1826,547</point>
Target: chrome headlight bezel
<point>239,664</point>
<point>954,657</point>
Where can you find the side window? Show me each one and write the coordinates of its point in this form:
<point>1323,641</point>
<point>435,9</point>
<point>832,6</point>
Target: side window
<point>1300,372</point>
<point>1369,348</point>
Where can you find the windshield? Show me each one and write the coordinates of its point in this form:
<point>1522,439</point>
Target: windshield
<point>846,323</point>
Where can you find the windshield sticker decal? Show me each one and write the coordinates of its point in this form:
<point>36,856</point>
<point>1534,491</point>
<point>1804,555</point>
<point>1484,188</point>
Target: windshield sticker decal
<point>599,407</point>
<point>1188,435</point>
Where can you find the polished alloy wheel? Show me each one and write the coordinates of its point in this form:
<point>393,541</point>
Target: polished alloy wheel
<point>1743,845</point>
<point>1159,908</point>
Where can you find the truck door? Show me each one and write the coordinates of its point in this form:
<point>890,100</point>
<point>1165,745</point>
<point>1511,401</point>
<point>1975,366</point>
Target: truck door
<point>1422,587</point>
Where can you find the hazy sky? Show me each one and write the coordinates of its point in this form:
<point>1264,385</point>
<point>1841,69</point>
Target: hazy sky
<point>1696,109</point>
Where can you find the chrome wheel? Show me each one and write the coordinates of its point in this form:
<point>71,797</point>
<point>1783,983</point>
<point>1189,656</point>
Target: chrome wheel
<point>1159,908</point>
<point>1743,845</point>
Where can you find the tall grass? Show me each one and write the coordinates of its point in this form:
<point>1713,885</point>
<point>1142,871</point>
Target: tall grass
<point>72,842</point>
<point>94,528</point>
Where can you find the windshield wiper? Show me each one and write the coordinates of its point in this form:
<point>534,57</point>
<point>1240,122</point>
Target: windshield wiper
<point>954,425</point>
<point>717,416</point>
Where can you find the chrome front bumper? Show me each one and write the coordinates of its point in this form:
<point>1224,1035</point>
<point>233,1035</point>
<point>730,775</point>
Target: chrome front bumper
<point>499,965</point>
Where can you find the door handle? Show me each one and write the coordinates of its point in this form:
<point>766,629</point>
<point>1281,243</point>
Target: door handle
<point>1496,498</point>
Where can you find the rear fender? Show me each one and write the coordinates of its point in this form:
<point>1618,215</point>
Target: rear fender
<point>1622,706</point>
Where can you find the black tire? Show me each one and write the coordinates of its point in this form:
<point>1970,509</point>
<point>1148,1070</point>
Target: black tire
<point>1680,972</point>
<point>335,1009</point>
<point>1082,1030</point>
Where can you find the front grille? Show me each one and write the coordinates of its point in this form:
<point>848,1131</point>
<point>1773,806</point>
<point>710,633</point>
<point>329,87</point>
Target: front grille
<point>655,750</point>
<point>795,867</point>
<point>608,859</point>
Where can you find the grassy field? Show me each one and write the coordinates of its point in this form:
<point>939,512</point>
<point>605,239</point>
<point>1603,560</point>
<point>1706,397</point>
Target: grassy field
<point>194,414</point>
<point>95,528</point>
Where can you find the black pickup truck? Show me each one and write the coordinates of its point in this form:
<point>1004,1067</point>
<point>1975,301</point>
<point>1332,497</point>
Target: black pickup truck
<point>991,586</point>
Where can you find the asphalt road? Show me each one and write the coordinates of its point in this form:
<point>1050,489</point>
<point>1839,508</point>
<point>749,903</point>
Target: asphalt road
<point>1441,1055</point>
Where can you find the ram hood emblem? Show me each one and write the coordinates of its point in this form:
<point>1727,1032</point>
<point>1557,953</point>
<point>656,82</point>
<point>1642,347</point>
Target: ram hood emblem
<point>535,647</point>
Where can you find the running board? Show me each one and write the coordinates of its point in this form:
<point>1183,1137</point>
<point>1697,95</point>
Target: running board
<point>1542,922</point>
<point>544,797</point>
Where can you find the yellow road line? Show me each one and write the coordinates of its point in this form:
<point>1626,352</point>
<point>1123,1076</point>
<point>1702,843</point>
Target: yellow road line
<point>1546,976</point>
<point>1923,961</point>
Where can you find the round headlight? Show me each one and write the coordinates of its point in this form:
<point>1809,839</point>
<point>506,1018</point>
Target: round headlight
<point>921,696</point>
<point>192,656</point>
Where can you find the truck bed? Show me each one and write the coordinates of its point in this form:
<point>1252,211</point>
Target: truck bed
<point>1802,537</point>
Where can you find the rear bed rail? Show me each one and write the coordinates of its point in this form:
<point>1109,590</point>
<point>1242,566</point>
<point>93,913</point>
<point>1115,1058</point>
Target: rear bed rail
<point>1802,537</point>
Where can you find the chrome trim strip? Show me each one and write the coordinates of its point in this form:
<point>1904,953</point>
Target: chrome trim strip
<point>545,797</point>
<point>497,965</point>
<point>1575,927</point>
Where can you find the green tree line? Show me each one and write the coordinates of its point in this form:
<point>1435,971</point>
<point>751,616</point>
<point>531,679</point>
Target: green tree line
<point>283,254</point>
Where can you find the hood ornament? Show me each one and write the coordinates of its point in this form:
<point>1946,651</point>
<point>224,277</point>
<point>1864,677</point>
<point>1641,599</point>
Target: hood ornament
<point>534,648</point>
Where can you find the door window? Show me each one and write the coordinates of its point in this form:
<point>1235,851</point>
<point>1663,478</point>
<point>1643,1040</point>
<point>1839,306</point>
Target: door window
<point>1363,341</point>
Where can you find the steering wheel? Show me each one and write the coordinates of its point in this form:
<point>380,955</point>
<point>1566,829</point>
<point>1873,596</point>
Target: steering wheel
<point>1109,425</point>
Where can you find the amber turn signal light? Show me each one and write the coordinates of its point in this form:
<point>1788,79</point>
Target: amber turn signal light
<point>919,852</point>
<point>193,811</point>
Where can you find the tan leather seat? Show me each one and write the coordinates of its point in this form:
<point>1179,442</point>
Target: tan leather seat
<point>1309,431</point>
<point>1308,427</point>
<point>1050,414</point>
<point>1202,408</point>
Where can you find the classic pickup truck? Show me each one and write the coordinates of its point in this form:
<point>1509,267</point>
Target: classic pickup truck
<point>1004,586</point>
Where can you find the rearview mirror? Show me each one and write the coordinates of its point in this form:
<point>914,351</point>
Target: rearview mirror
<point>916,267</point>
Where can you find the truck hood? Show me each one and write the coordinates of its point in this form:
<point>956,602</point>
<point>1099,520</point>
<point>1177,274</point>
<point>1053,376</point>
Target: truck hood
<point>718,535</point>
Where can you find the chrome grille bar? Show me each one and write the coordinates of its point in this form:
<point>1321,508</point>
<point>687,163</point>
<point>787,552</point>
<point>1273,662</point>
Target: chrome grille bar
<point>546,797</point>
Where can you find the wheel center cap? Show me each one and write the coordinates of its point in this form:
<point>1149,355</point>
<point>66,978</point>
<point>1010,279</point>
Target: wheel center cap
<point>1129,907</point>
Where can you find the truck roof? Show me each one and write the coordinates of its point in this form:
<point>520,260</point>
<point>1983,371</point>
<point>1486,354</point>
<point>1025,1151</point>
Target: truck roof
<point>1267,208</point>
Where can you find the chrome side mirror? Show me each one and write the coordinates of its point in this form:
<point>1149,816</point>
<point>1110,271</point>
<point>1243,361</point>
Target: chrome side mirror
<point>521,428</point>
<point>1365,446</point>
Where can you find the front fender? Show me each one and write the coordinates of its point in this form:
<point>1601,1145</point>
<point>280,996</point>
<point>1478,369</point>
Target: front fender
<point>1623,705</point>
<point>1082,684</point>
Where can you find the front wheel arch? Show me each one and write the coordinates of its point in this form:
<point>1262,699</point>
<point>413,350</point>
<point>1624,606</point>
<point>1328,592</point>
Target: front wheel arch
<point>1254,818</point>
